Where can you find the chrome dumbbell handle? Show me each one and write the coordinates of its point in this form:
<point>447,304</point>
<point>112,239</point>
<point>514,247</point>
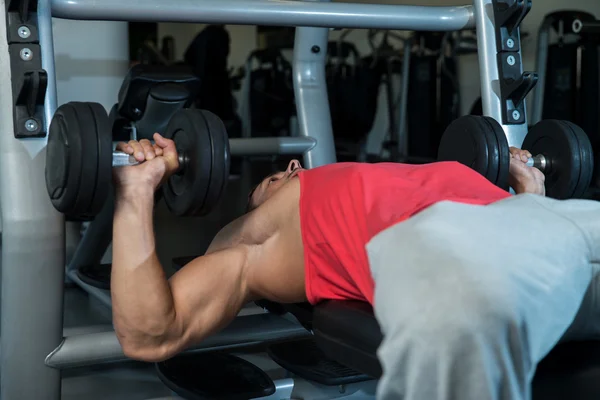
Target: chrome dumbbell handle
<point>121,159</point>
<point>538,162</point>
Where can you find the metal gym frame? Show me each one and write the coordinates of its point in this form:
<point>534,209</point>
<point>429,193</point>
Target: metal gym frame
<point>33,348</point>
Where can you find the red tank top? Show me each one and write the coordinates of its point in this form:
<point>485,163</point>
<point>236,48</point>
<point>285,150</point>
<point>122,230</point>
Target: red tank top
<point>343,205</point>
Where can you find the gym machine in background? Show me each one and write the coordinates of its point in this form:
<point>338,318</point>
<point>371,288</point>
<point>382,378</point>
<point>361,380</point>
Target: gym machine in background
<point>433,92</point>
<point>388,61</point>
<point>33,350</point>
<point>353,84</point>
<point>429,95</point>
<point>568,65</point>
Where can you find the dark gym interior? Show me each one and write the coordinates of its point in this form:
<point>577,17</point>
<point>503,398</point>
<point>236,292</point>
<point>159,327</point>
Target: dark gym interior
<point>389,95</point>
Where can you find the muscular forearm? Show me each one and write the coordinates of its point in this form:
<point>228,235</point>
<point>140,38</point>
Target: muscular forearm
<point>143,307</point>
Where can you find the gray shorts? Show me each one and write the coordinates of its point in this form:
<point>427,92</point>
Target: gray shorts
<point>471,298</point>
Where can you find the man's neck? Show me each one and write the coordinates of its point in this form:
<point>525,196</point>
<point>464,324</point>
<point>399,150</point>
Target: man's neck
<point>258,226</point>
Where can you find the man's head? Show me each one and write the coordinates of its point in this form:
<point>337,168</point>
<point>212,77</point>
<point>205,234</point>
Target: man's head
<point>272,183</point>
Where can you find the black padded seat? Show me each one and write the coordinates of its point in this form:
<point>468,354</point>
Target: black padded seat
<point>303,312</point>
<point>211,375</point>
<point>570,371</point>
<point>347,332</point>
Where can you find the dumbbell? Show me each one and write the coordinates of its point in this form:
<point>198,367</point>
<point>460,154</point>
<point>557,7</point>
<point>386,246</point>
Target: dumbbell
<point>561,149</point>
<point>79,160</point>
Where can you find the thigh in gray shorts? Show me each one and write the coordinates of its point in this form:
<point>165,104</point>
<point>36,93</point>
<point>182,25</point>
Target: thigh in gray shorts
<point>471,298</point>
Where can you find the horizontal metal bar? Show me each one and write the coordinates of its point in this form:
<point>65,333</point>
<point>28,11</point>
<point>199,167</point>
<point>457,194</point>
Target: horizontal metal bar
<point>270,12</point>
<point>86,329</point>
<point>104,295</point>
<point>104,347</point>
<point>269,146</point>
<point>243,147</point>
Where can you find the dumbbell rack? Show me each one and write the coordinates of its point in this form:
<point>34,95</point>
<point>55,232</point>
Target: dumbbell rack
<point>33,349</point>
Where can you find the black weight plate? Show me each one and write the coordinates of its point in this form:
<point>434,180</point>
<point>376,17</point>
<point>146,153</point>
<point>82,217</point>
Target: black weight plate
<point>464,142</point>
<point>104,164</point>
<point>503,152</point>
<point>220,162</point>
<point>186,191</point>
<point>89,159</point>
<point>560,146</point>
<point>493,150</point>
<point>587,160</point>
<point>63,159</point>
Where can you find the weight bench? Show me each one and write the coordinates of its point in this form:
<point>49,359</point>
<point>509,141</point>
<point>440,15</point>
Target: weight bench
<point>347,332</point>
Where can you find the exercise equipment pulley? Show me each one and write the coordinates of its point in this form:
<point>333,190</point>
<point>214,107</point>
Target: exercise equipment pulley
<point>79,160</point>
<point>562,151</point>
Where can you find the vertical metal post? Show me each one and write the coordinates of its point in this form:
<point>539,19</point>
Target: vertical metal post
<point>310,89</point>
<point>541,60</point>
<point>488,69</point>
<point>33,243</point>
<point>47,42</point>
<point>403,142</point>
<point>96,238</point>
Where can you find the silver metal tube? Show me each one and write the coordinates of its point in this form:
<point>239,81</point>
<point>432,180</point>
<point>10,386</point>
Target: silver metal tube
<point>103,296</point>
<point>310,90</point>
<point>96,348</point>
<point>121,159</point>
<point>540,66</point>
<point>403,123</point>
<point>271,146</point>
<point>33,246</point>
<point>96,238</point>
<point>268,146</point>
<point>488,70</point>
<point>270,12</point>
<point>46,36</point>
<point>87,329</point>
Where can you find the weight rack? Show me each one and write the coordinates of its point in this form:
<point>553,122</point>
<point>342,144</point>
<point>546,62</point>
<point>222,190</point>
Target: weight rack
<point>33,349</point>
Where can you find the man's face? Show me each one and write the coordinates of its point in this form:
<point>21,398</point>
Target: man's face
<point>272,183</point>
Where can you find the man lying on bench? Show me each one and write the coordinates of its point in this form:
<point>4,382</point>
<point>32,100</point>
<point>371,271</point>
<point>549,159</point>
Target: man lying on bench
<point>471,286</point>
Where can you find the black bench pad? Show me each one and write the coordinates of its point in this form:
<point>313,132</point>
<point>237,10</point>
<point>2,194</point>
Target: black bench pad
<point>347,332</point>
